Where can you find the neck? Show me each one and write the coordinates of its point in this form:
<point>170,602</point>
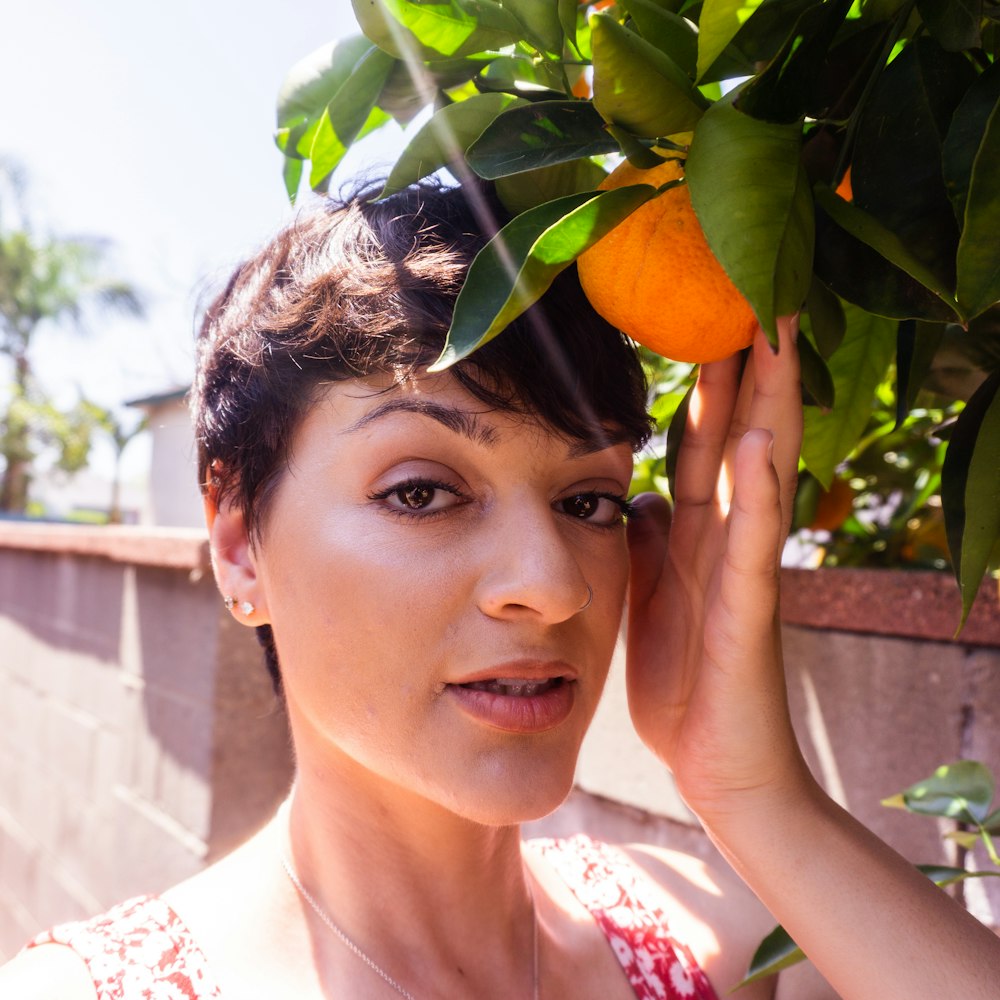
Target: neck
<point>416,887</point>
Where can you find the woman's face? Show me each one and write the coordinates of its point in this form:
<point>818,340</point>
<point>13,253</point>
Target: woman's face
<point>425,564</point>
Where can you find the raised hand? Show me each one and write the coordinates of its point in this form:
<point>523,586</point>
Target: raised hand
<point>705,680</point>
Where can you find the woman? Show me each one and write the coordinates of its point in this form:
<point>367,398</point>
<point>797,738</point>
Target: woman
<point>436,566</point>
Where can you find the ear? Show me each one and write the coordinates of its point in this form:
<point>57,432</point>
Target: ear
<point>234,561</point>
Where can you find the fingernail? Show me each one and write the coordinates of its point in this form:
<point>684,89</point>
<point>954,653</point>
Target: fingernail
<point>770,451</point>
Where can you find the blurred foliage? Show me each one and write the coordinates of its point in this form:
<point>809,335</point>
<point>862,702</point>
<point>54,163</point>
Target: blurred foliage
<point>851,170</point>
<point>44,279</point>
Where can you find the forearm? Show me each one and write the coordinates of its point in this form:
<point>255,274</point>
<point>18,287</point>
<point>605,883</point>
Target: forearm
<point>871,923</point>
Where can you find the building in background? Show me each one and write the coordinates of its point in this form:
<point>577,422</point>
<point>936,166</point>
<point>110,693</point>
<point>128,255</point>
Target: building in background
<point>173,498</point>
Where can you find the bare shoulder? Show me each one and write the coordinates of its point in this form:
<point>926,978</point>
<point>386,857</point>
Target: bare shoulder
<point>712,911</point>
<point>48,972</point>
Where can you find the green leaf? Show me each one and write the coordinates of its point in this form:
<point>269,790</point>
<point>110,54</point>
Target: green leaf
<point>445,138</point>
<point>860,278</point>
<point>435,29</point>
<point>718,25</point>
<point>637,86</point>
<point>569,19</point>
<point>978,259</point>
<point>961,791</point>
<point>776,952</point>
<point>944,875</point>
<point>966,134</point>
<point>675,437</point>
<point>314,81</point>
<point>826,317</point>
<point>669,32</point>
<point>542,27</point>
<point>410,87</point>
<point>751,197</point>
<point>899,135</point>
<point>524,191</point>
<point>927,340</point>
<point>954,23</point>
<point>291,173</point>
<point>857,367</point>
<point>970,489</point>
<point>351,110</point>
<point>787,87</point>
<point>516,267</point>
<point>534,135</point>
<point>816,377</point>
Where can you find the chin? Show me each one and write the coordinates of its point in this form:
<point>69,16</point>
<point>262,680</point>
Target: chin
<point>508,794</point>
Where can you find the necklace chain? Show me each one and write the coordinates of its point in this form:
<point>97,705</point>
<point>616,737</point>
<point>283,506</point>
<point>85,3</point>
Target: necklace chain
<point>370,962</point>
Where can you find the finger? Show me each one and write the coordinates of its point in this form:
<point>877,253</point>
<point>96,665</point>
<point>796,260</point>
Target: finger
<point>706,432</point>
<point>771,398</point>
<point>777,403</point>
<point>749,581</point>
<point>648,533</point>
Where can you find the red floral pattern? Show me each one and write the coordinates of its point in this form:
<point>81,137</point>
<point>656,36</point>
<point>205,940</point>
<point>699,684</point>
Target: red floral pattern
<point>658,966</point>
<point>141,950</point>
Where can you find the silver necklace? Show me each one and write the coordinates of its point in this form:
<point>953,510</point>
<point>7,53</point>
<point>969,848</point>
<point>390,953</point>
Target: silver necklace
<point>370,962</point>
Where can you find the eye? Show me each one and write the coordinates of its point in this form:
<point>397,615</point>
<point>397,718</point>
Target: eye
<point>600,509</point>
<point>419,496</point>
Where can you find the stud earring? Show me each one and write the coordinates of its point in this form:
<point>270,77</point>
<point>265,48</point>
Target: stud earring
<point>245,606</point>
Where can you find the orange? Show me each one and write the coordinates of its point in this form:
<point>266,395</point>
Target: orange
<point>844,188</point>
<point>654,277</point>
<point>833,507</point>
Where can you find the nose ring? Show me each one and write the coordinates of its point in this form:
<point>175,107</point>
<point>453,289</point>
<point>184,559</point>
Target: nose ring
<point>590,597</point>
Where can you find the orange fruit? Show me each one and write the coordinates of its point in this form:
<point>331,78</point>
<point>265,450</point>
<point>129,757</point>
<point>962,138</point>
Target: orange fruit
<point>833,506</point>
<point>655,278</point>
<point>844,188</point>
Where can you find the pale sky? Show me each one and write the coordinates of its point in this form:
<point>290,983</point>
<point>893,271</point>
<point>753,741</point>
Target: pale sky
<point>151,124</point>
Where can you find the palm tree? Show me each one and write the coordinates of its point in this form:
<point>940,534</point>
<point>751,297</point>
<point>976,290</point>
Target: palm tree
<point>42,279</point>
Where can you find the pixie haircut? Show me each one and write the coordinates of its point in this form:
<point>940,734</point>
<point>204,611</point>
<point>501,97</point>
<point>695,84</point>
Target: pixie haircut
<point>360,289</point>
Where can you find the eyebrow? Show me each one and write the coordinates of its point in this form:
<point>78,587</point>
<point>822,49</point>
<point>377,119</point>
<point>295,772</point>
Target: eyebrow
<point>460,421</point>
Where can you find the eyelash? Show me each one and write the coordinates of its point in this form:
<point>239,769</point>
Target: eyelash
<point>416,482</point>
<point>626,506</point>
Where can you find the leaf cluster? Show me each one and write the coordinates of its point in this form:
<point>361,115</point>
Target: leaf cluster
<point>841,155</point>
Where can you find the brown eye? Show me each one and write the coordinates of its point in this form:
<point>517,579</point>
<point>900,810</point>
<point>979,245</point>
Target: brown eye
<point>583,505</point>
<point>416,496</point>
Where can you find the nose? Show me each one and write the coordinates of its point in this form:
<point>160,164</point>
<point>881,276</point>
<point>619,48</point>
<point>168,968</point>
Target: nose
<point>531,570</point>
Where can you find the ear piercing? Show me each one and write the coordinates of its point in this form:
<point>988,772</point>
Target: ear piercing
<point>590,597</point>
<point>245,606</point>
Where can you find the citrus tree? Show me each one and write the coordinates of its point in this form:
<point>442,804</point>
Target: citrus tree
<point>840,157</point>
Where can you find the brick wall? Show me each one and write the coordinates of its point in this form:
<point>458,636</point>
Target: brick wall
<point>139,738</point>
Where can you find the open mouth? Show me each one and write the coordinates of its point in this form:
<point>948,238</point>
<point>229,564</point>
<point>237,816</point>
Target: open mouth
<point>515,687</point>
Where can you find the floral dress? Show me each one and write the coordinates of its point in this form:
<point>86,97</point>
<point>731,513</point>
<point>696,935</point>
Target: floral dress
<point>141,950</point>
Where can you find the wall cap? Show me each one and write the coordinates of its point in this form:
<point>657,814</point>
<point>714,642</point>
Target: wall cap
<point>919,604</point>
<point>171,548</point>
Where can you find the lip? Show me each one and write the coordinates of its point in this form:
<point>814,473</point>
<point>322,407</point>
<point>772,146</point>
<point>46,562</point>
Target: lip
<point>518,714</point>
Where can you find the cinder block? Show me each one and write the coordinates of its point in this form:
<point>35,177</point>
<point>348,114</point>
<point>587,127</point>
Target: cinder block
<point>69,740</point>
<point>873,715</point>
<point>151,851</point>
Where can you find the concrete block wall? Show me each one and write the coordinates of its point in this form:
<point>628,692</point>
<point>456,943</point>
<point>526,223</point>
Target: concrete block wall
<point>139,738</point>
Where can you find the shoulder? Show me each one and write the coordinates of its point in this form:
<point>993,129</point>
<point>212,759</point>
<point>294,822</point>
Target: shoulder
<point>47,972</point>
<point>699,901</point>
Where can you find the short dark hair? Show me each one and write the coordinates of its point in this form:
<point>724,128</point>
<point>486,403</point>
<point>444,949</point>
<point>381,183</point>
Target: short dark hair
<point>359,288</point>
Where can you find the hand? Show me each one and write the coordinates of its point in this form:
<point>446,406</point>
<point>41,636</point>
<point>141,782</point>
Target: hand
<point>705,679</point>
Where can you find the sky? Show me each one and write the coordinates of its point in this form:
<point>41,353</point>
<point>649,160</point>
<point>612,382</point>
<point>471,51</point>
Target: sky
<point>151,125</point>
